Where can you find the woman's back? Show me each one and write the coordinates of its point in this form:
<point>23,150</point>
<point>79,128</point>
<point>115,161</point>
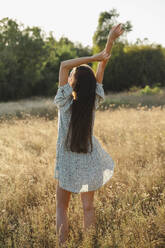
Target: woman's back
<point>77,172</point>
<point>64,99</point>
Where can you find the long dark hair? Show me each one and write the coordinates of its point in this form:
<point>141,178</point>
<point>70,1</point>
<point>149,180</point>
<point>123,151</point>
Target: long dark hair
<point>79,135</point>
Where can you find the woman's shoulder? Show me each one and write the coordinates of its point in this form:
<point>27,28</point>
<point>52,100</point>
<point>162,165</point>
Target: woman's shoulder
<point>63,97</point>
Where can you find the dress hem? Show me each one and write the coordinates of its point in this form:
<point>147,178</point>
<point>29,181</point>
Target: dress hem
<point>84,190</point>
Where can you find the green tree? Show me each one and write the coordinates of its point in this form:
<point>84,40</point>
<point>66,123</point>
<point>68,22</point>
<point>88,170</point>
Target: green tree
<point>22,54</point>
<point>30,61</point>
<point>58,51</point>
<point>107,20</point>
<point>135,65</point>
<point>130,65</point>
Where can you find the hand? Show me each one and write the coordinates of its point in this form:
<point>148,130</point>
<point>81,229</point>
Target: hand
<point>115,32</point>
<point>101,56</point>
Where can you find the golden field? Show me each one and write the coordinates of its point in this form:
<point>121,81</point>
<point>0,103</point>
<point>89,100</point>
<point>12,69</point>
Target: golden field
<point>130,208</point>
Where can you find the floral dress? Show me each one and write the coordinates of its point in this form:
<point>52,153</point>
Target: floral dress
<point>79,172</point>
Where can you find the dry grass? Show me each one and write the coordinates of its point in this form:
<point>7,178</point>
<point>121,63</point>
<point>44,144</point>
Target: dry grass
<point>130,208</point>
<point>133,99</point>
<point>34,106</point>
<point>44,107</point>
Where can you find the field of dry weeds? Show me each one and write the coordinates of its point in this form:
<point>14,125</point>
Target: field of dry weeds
<point>130,208</point>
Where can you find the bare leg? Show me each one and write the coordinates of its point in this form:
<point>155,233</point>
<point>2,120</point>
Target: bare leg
<point>62,203</point>
<point>88,208</point>
<point>89,218</point>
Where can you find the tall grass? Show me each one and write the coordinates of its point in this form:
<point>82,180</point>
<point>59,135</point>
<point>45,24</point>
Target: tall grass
<point>44,107</point>
<point>134,99</point>
<point>22,109</point>
<point>130,208</point>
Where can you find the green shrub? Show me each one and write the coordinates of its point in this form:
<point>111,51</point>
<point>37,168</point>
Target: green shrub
<point>147,90</point>
<point>134,89</point>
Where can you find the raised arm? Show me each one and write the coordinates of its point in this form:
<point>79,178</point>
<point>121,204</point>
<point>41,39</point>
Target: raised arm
<point>67,65</point>
<point>114,33</point>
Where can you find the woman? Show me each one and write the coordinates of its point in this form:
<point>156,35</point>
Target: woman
<point>82,165</point>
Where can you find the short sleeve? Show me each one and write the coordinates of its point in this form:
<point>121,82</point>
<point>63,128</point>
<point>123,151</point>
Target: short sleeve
<point>99,93</point>
<point>63,95</point>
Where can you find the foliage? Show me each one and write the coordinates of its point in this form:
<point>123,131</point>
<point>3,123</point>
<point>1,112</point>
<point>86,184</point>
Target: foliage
<point>134,65</point>
<point>30,61</point>
<point>22,55</point>
<point>147,90</point>
<point>130,64</point>
<point>107,20</point>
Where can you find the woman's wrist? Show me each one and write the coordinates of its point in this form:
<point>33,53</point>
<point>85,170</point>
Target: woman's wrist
<point>109,45</point>
<point>111,40</point>
<point>94,57</point>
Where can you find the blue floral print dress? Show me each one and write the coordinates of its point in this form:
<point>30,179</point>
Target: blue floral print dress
<point>79,172</point>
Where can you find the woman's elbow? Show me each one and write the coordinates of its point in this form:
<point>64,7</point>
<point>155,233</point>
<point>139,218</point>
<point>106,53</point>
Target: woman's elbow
<point>63,64</point>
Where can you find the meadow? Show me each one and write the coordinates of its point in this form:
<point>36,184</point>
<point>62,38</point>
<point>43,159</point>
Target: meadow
<point>130,208</point>
<point>43,107</point>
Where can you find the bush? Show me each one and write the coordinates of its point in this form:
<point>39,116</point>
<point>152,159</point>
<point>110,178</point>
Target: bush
<point>147,90</point>
<point>134,89</point>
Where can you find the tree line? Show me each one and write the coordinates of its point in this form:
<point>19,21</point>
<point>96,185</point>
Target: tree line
<point>30,60</point>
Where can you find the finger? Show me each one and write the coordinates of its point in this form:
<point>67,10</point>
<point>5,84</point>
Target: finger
<point>118,29</point>
<point>121,28</point>
<point>108,56</point>
<point>115,27</point>
<point>121,32</point>
<point>105,55</point>
<point>119,25</point>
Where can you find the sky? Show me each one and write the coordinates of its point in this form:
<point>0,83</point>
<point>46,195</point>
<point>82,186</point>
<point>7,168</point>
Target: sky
<point>78,20</point>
